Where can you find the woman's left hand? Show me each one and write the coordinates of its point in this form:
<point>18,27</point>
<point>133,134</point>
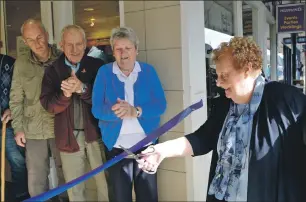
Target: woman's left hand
<point>123,109</point>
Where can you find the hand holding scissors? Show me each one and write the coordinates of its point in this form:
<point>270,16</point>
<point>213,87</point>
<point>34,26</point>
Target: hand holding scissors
<point>148,160</point>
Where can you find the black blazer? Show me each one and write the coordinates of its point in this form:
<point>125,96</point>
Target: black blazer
<point>277,147</point>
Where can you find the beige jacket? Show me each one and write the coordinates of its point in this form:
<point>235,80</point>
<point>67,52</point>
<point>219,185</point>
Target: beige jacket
<point>27,113</point>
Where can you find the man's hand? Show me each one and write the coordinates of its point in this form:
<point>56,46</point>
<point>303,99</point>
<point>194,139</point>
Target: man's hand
<point>67,87</point>
<point>124,110</point>
<point>6,117</point>
<point>71,85</point>
<point>20,139</point>
<point>77,83</point>
<point>67,93</point>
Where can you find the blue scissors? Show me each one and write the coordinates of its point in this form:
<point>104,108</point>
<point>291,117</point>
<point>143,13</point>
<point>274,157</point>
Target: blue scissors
<point>138,156</point>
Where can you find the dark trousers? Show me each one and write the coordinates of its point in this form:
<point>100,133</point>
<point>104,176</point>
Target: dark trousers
<point>121,177</point>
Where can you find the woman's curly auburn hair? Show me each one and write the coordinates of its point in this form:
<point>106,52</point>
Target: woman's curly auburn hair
<point>243,50</point>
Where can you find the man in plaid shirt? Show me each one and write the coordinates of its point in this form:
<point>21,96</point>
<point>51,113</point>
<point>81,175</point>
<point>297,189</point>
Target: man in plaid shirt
<point>14,153</point>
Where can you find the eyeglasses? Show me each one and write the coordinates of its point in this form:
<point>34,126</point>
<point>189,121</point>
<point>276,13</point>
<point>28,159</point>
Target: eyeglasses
<point>223,77</point>
<point>37,40</point>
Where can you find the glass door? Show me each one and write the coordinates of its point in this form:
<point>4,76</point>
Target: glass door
<point>16,13</point>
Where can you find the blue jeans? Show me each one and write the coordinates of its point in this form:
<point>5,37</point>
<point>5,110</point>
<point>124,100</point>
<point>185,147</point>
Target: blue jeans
<point>16,158</point>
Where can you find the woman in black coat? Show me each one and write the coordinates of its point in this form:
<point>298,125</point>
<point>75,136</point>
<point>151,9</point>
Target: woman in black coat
<point>255,133</point>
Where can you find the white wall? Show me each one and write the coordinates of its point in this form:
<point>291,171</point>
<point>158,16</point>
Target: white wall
<point>172,39</point>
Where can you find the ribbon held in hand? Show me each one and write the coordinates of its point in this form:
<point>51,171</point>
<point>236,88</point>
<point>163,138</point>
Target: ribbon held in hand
<point>152,136</point>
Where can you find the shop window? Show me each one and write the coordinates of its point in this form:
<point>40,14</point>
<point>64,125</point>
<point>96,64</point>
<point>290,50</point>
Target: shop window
<point>98,18</point>
<point>16,13</point>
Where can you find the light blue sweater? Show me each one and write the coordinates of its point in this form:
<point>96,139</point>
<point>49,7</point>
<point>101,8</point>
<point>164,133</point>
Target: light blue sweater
<point>148,94</point>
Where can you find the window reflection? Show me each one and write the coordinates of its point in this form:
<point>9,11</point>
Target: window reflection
<point>16,13</point>
<point>97,18</point>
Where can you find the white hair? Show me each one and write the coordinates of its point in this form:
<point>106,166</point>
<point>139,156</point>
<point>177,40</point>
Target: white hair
<point>124,33</point>
<point>75,27</point>
<point>32,21</point>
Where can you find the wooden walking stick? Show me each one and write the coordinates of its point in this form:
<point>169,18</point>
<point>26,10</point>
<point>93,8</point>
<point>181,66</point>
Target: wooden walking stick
<point>3,162</point>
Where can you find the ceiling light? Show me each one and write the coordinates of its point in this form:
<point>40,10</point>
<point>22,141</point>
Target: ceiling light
<point>92,21</point>
<point>88,9</point>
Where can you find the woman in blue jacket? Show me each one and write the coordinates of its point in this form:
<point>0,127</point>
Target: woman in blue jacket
<point>128,100</point>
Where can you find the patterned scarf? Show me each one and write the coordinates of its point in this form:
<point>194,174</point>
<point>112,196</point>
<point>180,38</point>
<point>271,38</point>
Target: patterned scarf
<point>233,146</point>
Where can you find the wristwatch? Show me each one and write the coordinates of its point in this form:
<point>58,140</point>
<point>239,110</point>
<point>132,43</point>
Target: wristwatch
<point>83,88</point>
<point>137,112</point>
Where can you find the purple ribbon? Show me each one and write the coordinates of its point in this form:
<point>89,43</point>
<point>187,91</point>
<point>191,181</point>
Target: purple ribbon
<point>152,136</point>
